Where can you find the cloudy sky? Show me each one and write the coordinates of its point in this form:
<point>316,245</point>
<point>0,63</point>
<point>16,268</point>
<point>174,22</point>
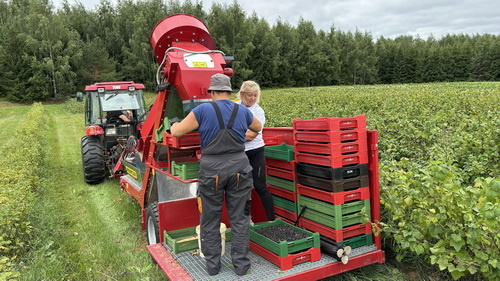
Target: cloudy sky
<point>388,18</point>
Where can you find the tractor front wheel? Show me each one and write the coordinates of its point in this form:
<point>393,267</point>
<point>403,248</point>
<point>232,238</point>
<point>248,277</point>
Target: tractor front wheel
<point>152,232</point>
<point>93,162</point>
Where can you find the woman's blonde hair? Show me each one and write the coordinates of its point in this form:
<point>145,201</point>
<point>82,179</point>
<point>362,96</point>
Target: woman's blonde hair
<point>249,86</point>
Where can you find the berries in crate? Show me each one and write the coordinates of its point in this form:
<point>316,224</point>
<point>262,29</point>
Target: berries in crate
<point>283,244</point>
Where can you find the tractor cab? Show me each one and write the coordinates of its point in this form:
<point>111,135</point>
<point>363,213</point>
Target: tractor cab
<point>126,97</point>
<point>113,113</point>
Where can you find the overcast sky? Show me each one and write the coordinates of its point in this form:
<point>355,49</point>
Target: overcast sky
<point>388,18</point>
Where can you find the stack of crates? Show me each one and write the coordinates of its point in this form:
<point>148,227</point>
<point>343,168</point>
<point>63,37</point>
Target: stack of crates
<point>281,180</point>
<point>333,194</point>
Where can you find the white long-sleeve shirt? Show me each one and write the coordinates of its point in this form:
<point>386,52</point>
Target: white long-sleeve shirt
<point>258,112</point>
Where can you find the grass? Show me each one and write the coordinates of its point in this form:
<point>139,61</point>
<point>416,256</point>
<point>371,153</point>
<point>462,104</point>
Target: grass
<point>83,232</point>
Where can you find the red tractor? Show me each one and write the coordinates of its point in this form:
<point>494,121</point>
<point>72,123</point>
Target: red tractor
<point>107,134</point>
<point>160,170</point>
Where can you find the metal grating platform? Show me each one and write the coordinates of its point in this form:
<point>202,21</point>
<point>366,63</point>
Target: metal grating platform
<point>261,268</point>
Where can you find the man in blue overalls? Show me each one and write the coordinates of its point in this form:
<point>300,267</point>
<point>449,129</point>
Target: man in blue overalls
<point>224,172</point>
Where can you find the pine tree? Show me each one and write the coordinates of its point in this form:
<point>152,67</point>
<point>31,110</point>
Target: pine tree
<point>264,59</point>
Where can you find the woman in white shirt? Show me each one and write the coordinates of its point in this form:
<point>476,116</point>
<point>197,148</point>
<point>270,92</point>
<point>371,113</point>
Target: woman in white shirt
<point>249,96</point>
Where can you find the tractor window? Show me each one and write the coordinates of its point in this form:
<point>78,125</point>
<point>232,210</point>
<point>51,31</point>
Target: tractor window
<point>120,100</point>
<point>93,110</point>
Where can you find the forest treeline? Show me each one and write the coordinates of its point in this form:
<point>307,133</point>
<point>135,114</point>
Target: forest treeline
<point>48,53</point>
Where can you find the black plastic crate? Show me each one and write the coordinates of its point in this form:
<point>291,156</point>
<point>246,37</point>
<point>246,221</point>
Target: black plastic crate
<point>330,173</point>
<point>333,185</point>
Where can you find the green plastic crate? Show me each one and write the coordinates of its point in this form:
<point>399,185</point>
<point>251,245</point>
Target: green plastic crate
<point>284,248</point>
<point>358,241</point>
<point>281,152</point>
<point>334,222</point>
<point>182,240</point>
<point>285,204</point>
<point>186,170</point>
<point>333,210</point>
<point>281,183</point>
<point>185,239</point>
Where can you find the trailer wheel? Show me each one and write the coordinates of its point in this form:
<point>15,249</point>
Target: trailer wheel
<point>93,162</point>
<point>152,232</point>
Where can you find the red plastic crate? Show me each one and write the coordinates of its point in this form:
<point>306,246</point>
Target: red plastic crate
<point>330,136</point>
<point>292,196</point>
<point>330,123</point>
<point>332,161</point>
<point>337,235</point>
<point>336,198</point>
<point>331,148</point>
<point>281,164</point>
<point>188,140</point>
<point>285,263</point>
<point>291,216</point>
<point>332,185</point>
<point>280,173</point>
<point>273,140</point>
<point>285,132</point>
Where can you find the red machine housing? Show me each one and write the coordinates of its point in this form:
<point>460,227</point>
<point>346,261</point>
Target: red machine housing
<point>170,39</point>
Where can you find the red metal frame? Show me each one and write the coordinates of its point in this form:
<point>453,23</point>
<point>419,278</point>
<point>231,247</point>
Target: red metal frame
<point>168,263</point>
<point>372,138</point>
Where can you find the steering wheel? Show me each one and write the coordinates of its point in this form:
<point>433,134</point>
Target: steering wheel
<point>114,120</point>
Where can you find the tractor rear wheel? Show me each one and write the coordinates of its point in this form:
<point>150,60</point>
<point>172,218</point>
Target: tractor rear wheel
<point>152,232</point>
<point>93,162</point>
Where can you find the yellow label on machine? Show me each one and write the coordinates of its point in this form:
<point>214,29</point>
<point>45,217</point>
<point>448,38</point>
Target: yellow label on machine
<point>199,64</point>
<point>131,172</point>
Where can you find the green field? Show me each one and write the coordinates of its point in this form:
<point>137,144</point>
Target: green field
<point>439,150</point>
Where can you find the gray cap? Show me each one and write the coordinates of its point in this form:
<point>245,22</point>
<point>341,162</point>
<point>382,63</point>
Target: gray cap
<point>220,82</point>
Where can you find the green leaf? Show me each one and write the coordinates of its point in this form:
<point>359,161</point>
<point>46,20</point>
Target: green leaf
<point>472,269</point>
<point>457,244</point>
<point>456,237</point>
<point>442,263</point>
<point>457,274</point>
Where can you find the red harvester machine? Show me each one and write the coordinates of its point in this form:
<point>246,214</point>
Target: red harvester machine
<point>160,171</point>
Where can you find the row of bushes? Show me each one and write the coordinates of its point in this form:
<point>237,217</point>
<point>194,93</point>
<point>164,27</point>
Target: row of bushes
<point>440,164</point>
<point>19,179</point>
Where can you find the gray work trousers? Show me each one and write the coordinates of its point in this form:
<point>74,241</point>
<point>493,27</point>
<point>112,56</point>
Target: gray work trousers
<point>229,177</point>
